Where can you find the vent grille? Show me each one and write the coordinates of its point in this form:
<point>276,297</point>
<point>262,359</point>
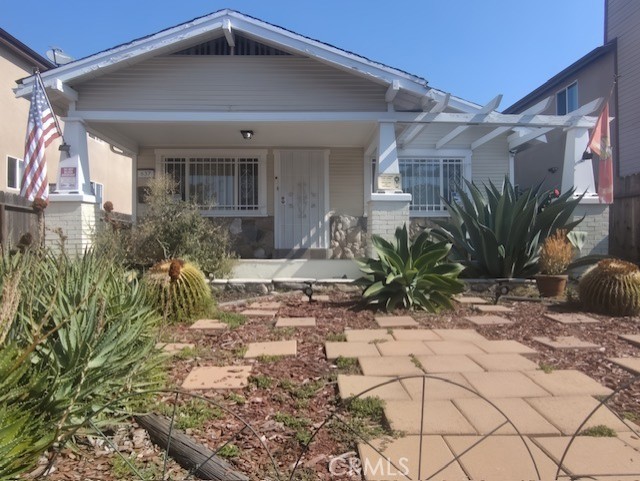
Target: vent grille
<point>219,46</point>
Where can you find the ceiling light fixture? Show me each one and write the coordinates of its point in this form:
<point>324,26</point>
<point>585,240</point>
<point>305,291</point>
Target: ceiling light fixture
<point>247,134</point>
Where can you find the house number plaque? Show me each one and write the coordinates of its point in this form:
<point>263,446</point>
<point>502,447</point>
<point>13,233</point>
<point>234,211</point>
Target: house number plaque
<point>392,182</point>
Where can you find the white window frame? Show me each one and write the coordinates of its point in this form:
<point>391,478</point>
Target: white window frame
<point>98,188</point>
<point>435,154</point>
<point>19,172</point>
<point>566,98</point>
<point>260,154</point>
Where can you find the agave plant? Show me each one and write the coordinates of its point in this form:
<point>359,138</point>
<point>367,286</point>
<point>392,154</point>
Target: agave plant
<point>411,275</point>
<point>498,233</point>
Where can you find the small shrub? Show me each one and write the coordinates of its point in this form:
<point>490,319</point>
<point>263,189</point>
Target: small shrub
<point>193,413</point>
<point>410,275</point>
<point>260,381</point>
<point>337,337</point>
<point>228,451</point>
<point>370,407</point>
<point>347,363</point>
<point>556,254</point>
<point>231,319</point>
<point>546,368</point>
<point>179,289</point>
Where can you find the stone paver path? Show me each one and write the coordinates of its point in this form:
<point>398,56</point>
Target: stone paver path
<point>266,305</point>
<point>296,322</point>
<point>565,342</point>
<point>259,313</point>
<point>214,377</point>
<point>572,318</point>
<point>272,348</point>
<point>316,298</point>
<point>463,366</point>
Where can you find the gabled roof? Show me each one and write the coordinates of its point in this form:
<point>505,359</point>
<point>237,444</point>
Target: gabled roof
<point>225,22</point>
<point>579,64</point>
<point>24,52</point>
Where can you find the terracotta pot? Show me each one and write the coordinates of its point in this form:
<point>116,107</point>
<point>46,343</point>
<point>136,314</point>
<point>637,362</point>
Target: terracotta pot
<point>551,286</point>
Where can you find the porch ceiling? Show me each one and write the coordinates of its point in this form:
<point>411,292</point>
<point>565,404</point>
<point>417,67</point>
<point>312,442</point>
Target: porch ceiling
<point>227,134</point>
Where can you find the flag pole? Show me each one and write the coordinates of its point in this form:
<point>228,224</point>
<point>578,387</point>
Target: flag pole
<point>64,147</point>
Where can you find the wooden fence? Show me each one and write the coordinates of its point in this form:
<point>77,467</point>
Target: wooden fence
<point>16,218</point>
<point>624,221</point>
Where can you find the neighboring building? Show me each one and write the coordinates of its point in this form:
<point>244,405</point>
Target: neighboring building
<point>586,80</point>
<point>111,172</point>
<point>304,149</point>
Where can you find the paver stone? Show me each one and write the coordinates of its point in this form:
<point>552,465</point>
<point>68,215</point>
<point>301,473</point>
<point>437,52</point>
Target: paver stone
<point>493,308</point>
<point>272,348</point>
<point>403,453</point>
<point>335,350</point>
<point>593,456</point>
<point>296,322</point>
<point>485,418</point>
<point>504,384</point>
<point>214,377</point>
<point>632,338</point>
<point>568,382</point>
<point>259,313</point>
<point>174,347</point>
<point>504,346</point>
<point>439,387</point>
<point>470,300</point>
<point>440,417</point>
<point>266,305</point>
<point>396,321</point>
<point>503,362</point>
<point>403,348</point>
<point>502,458</point>
<point>488,320</point>
<point>208,325</point>
<point>453,347</point>
<point>353,385</point>
<point>571,318</point>
<point>368,335</point>
<point>448,363</point>
<point>565,342</point>
<point>568,412</point>
<point>629,363</point>
<point>388,366</point>
<point>459,335</point>
<point>415,335</point>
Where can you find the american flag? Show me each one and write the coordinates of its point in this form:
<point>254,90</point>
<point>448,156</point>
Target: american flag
<point>42,129</point>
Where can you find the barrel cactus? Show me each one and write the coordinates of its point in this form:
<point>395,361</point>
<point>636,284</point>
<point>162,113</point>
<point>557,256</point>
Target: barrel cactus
<point>611,287</point>
<point>179,288</point>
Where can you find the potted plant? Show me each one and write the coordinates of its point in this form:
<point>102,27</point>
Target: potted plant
<point>555,256</point>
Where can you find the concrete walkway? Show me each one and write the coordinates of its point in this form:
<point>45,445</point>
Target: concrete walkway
<point>482,394</point>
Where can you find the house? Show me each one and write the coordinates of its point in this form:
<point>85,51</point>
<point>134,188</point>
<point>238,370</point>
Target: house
<point>110,170</point>
<point>303,148</point>
<point>587,79</point>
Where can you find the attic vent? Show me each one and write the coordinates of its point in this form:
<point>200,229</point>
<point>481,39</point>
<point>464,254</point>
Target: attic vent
<point>219,46</point>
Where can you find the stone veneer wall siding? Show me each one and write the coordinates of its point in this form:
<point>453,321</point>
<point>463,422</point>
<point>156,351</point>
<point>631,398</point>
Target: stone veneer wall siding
<point>348,237</point>
<point>251,237</point>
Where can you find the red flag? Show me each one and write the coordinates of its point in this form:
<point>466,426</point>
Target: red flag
<point>600,143</point>
<point>42,129</point>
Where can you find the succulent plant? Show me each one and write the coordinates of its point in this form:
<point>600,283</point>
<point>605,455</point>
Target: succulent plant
<point>611,287</point>
<point>556,254</point>
<point>179,288</point>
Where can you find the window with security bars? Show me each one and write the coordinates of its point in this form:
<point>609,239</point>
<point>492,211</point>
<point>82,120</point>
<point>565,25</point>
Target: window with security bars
<point>216,183</point>
<point>429,180</point>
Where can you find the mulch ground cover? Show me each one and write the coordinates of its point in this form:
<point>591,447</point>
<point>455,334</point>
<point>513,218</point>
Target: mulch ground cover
<point>288,398</point>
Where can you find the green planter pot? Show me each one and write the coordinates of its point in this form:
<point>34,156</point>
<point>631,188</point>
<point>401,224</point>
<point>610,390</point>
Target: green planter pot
<point>551,285</point>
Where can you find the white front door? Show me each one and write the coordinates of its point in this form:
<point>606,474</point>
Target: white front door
<point>301,200</point>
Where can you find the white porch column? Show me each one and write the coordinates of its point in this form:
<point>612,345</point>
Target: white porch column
<point>578,173</point>
<point>386,210</point>
<point>75,134</point>
<point>71,218</point>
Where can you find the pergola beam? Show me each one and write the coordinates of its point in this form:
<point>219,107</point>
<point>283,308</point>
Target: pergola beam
<point>392,91</point>
<point>412,132</point>
<point>516,139</point>
<point>490,107</point>
<point>228,33</point>
<point>533,110</point>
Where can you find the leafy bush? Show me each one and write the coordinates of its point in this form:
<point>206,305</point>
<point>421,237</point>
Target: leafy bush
<point>74,336</point>
<point>169,228</point>
<point>499,233</point>
<point>410,275</point>
<point>179,290</point>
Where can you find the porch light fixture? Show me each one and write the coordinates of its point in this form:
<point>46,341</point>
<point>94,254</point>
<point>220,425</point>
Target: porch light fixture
<point>247,134</point>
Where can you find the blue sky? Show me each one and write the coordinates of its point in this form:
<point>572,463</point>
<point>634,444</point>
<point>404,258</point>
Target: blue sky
<point>474,49</point>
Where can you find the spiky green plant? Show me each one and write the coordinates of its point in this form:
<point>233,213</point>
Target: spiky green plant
<point>498,233</point>
<point>611,287</point>
<point>179,289</point>
<point>410,274</point>
<point>73,341</point>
